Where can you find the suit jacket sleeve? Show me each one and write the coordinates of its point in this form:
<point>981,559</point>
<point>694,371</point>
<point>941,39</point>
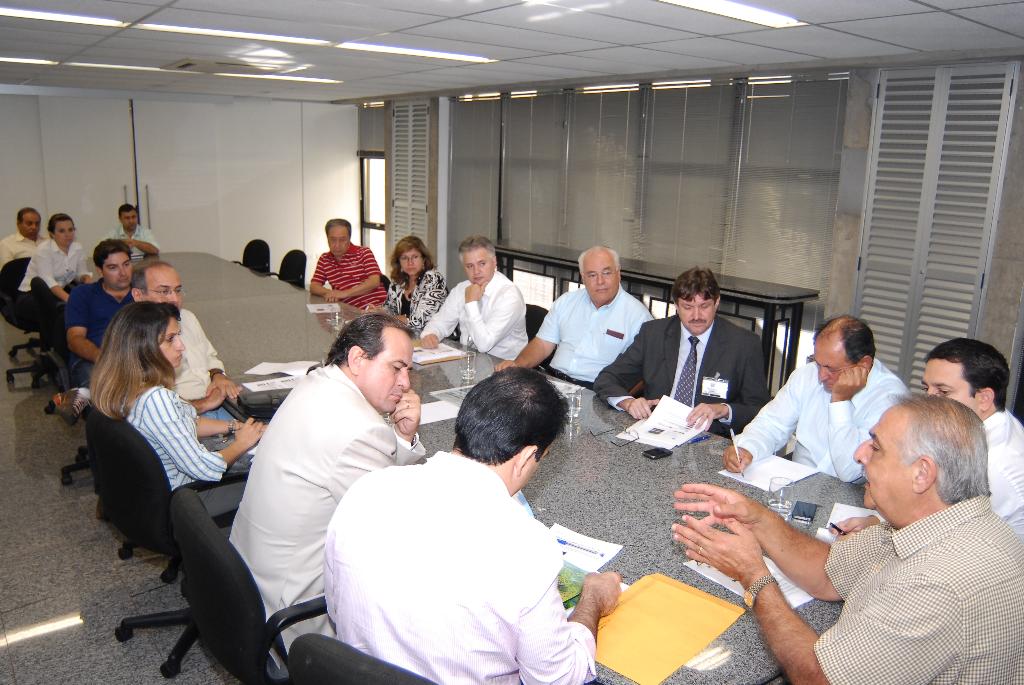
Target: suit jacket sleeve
<point>752,392</point>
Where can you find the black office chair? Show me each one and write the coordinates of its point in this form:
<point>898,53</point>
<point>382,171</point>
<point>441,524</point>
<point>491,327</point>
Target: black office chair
<point>319,660</point>
<point>52,335</point>
<point>385,282</point>
<point>226,608</point>
<point>293,269</point>
<point>534,318</point>
<point>11,276</point>
<point>256,256</point>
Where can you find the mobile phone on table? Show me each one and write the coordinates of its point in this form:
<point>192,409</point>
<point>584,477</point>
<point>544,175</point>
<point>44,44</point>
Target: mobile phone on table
<point>803,512</point>
<point>657,453</point>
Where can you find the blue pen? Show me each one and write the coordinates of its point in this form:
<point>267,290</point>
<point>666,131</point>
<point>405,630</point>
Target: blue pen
<point>579,547</point>
<point>699,438</point>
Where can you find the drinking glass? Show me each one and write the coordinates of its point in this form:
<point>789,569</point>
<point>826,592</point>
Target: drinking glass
<point>469,366</point>
<point>780,496</point>
<point>575,399</point>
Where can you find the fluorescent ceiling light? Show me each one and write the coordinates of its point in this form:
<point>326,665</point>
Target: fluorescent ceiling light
<point>374,104</point>
<point>26,60</point>
<point>614,88</point>
<point>675,85</point>
<point>232,34</point>
<point>524,93</point>
<point>413,52</point>
<point>58,16</point>
<point>302,79</point>
<point>116,66</point>
<point>735,10</point>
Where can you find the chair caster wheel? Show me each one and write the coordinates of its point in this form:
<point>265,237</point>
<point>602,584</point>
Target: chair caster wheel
<point>169,575</point>
<point>124,553</point>
<point>49,408</point>
<point>65,479</point>
<point>123,633</point>
<point>169,668</point>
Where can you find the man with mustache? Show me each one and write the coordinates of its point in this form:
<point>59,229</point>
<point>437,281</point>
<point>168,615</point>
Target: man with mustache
<point>694,357</point>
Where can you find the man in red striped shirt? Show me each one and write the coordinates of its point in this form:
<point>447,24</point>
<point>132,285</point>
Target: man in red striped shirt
<point>350,270</point>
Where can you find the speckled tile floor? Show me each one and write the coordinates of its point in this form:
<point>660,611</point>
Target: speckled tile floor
<point>57,561</point>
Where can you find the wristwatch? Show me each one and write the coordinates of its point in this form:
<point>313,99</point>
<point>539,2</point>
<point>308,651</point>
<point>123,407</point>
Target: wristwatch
<point>215,372</point>
<point>761,583</point>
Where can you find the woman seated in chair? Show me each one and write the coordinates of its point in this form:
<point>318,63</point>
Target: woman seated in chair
<point>133,381</point>
<point>417,289</point>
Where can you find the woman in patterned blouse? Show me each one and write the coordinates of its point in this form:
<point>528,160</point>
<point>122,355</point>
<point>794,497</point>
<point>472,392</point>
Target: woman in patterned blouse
<point>417,289</point>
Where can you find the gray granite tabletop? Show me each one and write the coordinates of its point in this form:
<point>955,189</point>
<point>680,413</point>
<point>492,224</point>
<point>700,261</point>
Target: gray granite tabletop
<point>586,482</point>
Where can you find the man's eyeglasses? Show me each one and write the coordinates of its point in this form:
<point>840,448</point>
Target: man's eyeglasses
<point>828,369</point>
<point>166,292</point>
<point>604,273</point>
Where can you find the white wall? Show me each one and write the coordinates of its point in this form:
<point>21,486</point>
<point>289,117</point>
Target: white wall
<point>330,172</point>
<point>21,162</point>
<point>218,173</point>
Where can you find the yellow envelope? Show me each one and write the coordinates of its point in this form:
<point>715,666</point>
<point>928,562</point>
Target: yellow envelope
<point>659,625</point>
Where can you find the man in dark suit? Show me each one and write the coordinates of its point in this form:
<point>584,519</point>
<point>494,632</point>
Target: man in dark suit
<point>701,360</point>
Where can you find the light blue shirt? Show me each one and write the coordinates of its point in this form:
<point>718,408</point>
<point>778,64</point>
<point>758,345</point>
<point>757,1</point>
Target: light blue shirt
<point>141,233</point>
<point>590,338</point>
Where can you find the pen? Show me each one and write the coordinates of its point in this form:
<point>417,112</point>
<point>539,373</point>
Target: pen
<point>838,529</point>
<point>580,547</point>
<point>699,438</point>
<point>732,434</point>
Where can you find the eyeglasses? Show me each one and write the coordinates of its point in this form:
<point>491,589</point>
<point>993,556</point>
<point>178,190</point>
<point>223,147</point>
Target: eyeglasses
<point>167,292</point>
<point>827,369</point>
<point>604,273</point>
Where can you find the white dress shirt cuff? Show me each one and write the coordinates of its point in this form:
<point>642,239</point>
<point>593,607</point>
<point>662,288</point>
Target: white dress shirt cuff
<point>614,402</point>
<point>840,413</point>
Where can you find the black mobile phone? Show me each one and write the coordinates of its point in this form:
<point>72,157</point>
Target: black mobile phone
<point>657,453</point>
<point>804,512</point>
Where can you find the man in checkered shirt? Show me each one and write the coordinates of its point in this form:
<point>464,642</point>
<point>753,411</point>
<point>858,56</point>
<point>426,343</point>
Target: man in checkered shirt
<point>935,595</point>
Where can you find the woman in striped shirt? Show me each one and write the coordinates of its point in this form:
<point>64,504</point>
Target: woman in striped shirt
<point>133,381</point>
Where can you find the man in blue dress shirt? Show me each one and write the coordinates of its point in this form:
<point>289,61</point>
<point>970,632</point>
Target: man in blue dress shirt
<point>586,328</point>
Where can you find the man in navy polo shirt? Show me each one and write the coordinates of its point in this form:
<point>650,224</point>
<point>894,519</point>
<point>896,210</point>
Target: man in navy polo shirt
<point>90,309</point>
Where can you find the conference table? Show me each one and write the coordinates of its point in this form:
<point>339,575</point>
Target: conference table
<point>587,482</point>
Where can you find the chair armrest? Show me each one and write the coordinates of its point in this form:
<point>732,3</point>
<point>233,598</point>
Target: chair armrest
<point>283,618</point>
<point>227,479</point>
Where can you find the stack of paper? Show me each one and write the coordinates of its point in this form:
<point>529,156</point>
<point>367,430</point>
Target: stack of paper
<point>760,473</point>
<point>841,512</point>
<point>273,384</point>
<point>437,411</point>
<point>587,553</point>
<point>324,308</point>
<point>793,594</point>
<point>659,625</point>
<point>290,368</point>
<point>665,427</point>
<point>441,353</point>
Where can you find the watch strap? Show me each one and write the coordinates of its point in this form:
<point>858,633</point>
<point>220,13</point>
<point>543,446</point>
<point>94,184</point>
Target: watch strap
<point>761,583</point>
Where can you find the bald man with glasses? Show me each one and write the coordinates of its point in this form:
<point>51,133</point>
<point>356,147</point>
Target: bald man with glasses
<point>830,404</point>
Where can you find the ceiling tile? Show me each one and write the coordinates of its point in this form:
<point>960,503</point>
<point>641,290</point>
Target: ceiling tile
<point>528,39</point>
<point>930,31</point>
<point>447,8</point>
<point>959,4</point>
<point>410,40</point>
<point>819,41</point>
<point>729,51</point>
<point>604,66</point>
<point>104,9</point>
<point>570,22</point>
<point>234,22</point>
<point>643,59</point>
<point>367,16</point>
<point>1005,17</point>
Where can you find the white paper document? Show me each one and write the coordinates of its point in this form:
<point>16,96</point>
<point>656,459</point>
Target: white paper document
<point>760,473</point>
<point>437,411</point>
<point>794,595</point>
<point>584,552</point>
<point>290,368</point>
<point>324,308</point>
<point>665,427</point>
<point>453,395</point>
<point>272,383</point>
<point>421,355</point>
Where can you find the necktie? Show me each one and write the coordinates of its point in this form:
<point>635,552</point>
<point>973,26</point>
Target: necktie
<point>687,379</point>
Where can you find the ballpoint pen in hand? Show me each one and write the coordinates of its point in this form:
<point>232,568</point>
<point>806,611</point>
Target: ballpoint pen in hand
<point>739,460</point>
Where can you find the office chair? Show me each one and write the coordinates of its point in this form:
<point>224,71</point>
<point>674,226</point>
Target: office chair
<point>256,256</point>
<point>534,318</point>
<point>226,608</point>
<point>320,660</point>
<point>385,282</point>
<point>293,269</point>
<point>11,276</point>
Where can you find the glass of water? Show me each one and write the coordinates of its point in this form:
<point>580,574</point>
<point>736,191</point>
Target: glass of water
<point>780,496</point>
<point>469,366</point>
<point>575,400</point>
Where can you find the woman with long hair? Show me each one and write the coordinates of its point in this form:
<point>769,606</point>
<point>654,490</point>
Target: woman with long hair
<point>134,380</point>
<point>417,289</point>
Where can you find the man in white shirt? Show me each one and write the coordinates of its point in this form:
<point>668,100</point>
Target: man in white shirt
<point>830,404</point>
<point>139,238</point>
<point>23,242</point>
<point>484,606</point>
<point>354,415</point>
<point>488,308</point>
<point>586,328</point>
<point>976,374</point>
<point>200,379</point>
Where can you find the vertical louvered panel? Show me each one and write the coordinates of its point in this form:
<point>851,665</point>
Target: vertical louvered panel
<point>937,163</point>
<point>410,145</point>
